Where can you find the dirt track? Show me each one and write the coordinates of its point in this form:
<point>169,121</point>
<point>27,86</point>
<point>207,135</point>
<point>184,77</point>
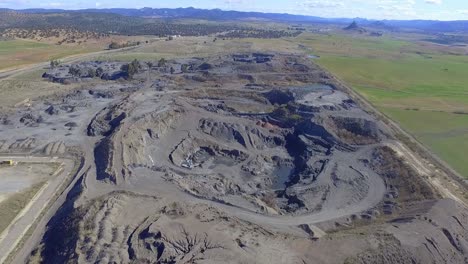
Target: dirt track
<point>424,171</point>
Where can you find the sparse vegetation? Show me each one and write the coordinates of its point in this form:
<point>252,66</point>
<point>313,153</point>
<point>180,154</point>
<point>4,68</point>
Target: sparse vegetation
<point>74,71</point>
<point>398,173</point>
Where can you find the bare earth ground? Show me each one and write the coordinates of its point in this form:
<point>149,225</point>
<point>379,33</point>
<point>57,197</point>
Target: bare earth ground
<point>238,157</point>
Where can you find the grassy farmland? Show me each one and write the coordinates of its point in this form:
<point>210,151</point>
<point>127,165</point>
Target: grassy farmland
<point>14,53</point>
<point>421,86</point>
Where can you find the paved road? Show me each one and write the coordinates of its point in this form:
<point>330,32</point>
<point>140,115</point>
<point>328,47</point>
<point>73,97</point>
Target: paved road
<point>10,238</point>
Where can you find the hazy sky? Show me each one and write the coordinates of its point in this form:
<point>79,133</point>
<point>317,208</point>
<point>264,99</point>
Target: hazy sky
<point>378,9</point>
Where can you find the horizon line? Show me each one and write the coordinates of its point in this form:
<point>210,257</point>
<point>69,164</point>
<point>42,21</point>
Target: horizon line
<point>227,10</point>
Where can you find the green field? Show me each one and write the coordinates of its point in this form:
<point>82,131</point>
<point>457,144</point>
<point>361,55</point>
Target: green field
<point>14,53</point>
<point>19,45</point>
<point>446,133</point>
<point>423,87</point>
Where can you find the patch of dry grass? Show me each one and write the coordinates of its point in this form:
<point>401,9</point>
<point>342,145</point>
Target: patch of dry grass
<point>18,89</point>
<point>30,85</point>
<point>13,205</point>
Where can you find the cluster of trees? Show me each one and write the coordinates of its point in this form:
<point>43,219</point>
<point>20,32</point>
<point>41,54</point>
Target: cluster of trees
<point>54,64</point>
<point>66,35</point>
<point>76,71</point>
<point>115,45</point>
<point>259,33</point>
<point>161,63</point>
<point>131,69</point>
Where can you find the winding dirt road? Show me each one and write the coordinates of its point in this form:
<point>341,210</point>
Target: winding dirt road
<point>166,189</point>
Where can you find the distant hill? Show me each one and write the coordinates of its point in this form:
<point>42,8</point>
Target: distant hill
<point>381,25</point>
<point>352,26</point>
<point>222,15</point>
<point>355,27</point>
<point>190,12</point>
<point>430,25</point>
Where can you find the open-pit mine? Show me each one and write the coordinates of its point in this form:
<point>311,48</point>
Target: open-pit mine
<point>235,158</point>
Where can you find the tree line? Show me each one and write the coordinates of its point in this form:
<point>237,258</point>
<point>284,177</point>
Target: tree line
<point>123,25</point>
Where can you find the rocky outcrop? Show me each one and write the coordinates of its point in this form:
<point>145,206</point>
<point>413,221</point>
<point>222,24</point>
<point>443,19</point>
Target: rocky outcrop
<point>104,123</point>
<point>222,131</point>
